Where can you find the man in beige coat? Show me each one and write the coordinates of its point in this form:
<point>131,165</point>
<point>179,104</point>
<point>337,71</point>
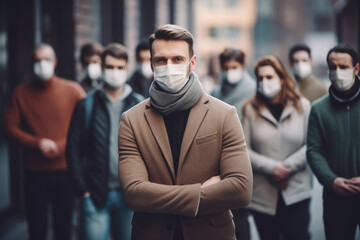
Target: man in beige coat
<point>183,162</point>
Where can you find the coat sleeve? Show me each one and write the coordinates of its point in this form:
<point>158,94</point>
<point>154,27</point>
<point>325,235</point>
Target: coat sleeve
<point>142,195</point>
<point>315,151</point>
<point>78,93</point>
<point>260,163</point>
<point>75,148</point>
<point>235,188</point>
<point>12,124</point>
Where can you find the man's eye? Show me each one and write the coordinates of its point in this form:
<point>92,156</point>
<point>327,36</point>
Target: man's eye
<point>161,60</point>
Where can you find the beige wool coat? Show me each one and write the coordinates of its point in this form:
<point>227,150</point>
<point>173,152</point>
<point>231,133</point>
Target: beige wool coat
<point>213,144</point>
<point>270,141</point>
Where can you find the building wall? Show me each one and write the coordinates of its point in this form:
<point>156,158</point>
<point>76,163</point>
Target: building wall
<point>348,22</point>
<point>221,24</point>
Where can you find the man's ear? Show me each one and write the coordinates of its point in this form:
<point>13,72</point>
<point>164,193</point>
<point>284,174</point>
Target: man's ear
<point>193,63</point>
<point>55,62</point>
<point>357,69</point>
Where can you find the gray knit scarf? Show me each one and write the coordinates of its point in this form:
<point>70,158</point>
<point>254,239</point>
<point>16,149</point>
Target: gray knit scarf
<point>167,103</point>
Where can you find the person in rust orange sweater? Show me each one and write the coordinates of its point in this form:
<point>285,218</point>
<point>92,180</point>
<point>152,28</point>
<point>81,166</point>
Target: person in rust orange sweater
<point>38,118</point>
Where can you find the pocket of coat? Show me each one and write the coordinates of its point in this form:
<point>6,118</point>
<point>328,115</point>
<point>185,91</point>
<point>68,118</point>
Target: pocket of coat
<point>206,138</point>
<point>220,219</point>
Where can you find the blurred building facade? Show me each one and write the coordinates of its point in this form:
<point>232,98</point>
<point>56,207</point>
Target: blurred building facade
<point>281,24</point>
<point>220,24</point>
<point>347,15</point>
<point>66,25</point>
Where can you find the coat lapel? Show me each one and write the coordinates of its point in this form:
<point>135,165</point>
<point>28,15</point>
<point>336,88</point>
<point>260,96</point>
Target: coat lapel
<point>196,116</point>
<point>158,129</point>
<point>265,113</point>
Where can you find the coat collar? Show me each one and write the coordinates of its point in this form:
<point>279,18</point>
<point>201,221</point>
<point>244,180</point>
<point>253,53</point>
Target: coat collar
<point>157,125</point>
<point>288,110</point>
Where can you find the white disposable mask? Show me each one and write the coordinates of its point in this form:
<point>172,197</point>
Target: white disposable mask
<point>269,88</point>
<point>302,70</point>
<point>115,78</point>
<point>93,71</point>
<point>145,69</point>
<point>171,77</point>
<point>342,79</point>
<point>234,75</point>
<point>44,69</point>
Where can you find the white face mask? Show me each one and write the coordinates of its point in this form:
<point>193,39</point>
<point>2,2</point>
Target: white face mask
<point>44,69</point>
<point>145,69</point>
<point>302,70</point>
<point>171,77</point>
<point>115,78</point>
<point>93,71</point>
<point>234,75</point>
<point>269,88</point>
<point>342,79</point>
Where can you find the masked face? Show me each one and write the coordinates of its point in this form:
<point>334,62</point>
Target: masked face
<point>269,84</point>
<point>145,69</point>
<point>93,71</point>
<point>342,79</point>
<point>44,69</point>
<point>171,77</point>
<point>302,70</point>
<point>114,78</point>
<point>270,88</point>
<point>234,75</point>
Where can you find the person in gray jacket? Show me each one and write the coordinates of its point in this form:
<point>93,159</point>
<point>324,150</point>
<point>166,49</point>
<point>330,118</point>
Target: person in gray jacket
<point>236,85</point>
<point>275,127</point>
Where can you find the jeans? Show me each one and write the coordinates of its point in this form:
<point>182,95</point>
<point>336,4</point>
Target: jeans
<point>115,217</point>
<point>291,222</point>
<point>42,188</point>
<point>341,219</point>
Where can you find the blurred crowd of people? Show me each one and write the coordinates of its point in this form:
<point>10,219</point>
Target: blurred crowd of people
<point>294,126</point>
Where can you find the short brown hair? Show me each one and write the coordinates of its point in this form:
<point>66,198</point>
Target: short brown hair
<point>172,32</point>
<point>231,54</point>
<point>90,49</point>
<point>115,50</point>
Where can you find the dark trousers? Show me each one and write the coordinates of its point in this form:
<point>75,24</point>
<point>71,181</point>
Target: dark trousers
<point>242,226</point>
<point>341,219</point>
<point>41,189</point>
<point>289,223</point>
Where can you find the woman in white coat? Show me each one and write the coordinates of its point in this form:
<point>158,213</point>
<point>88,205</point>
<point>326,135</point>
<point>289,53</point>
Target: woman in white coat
<point>275,126</point>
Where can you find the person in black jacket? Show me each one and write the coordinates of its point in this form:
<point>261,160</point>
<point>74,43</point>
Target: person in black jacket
<point>142,77</point>
<point>92,150</point>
